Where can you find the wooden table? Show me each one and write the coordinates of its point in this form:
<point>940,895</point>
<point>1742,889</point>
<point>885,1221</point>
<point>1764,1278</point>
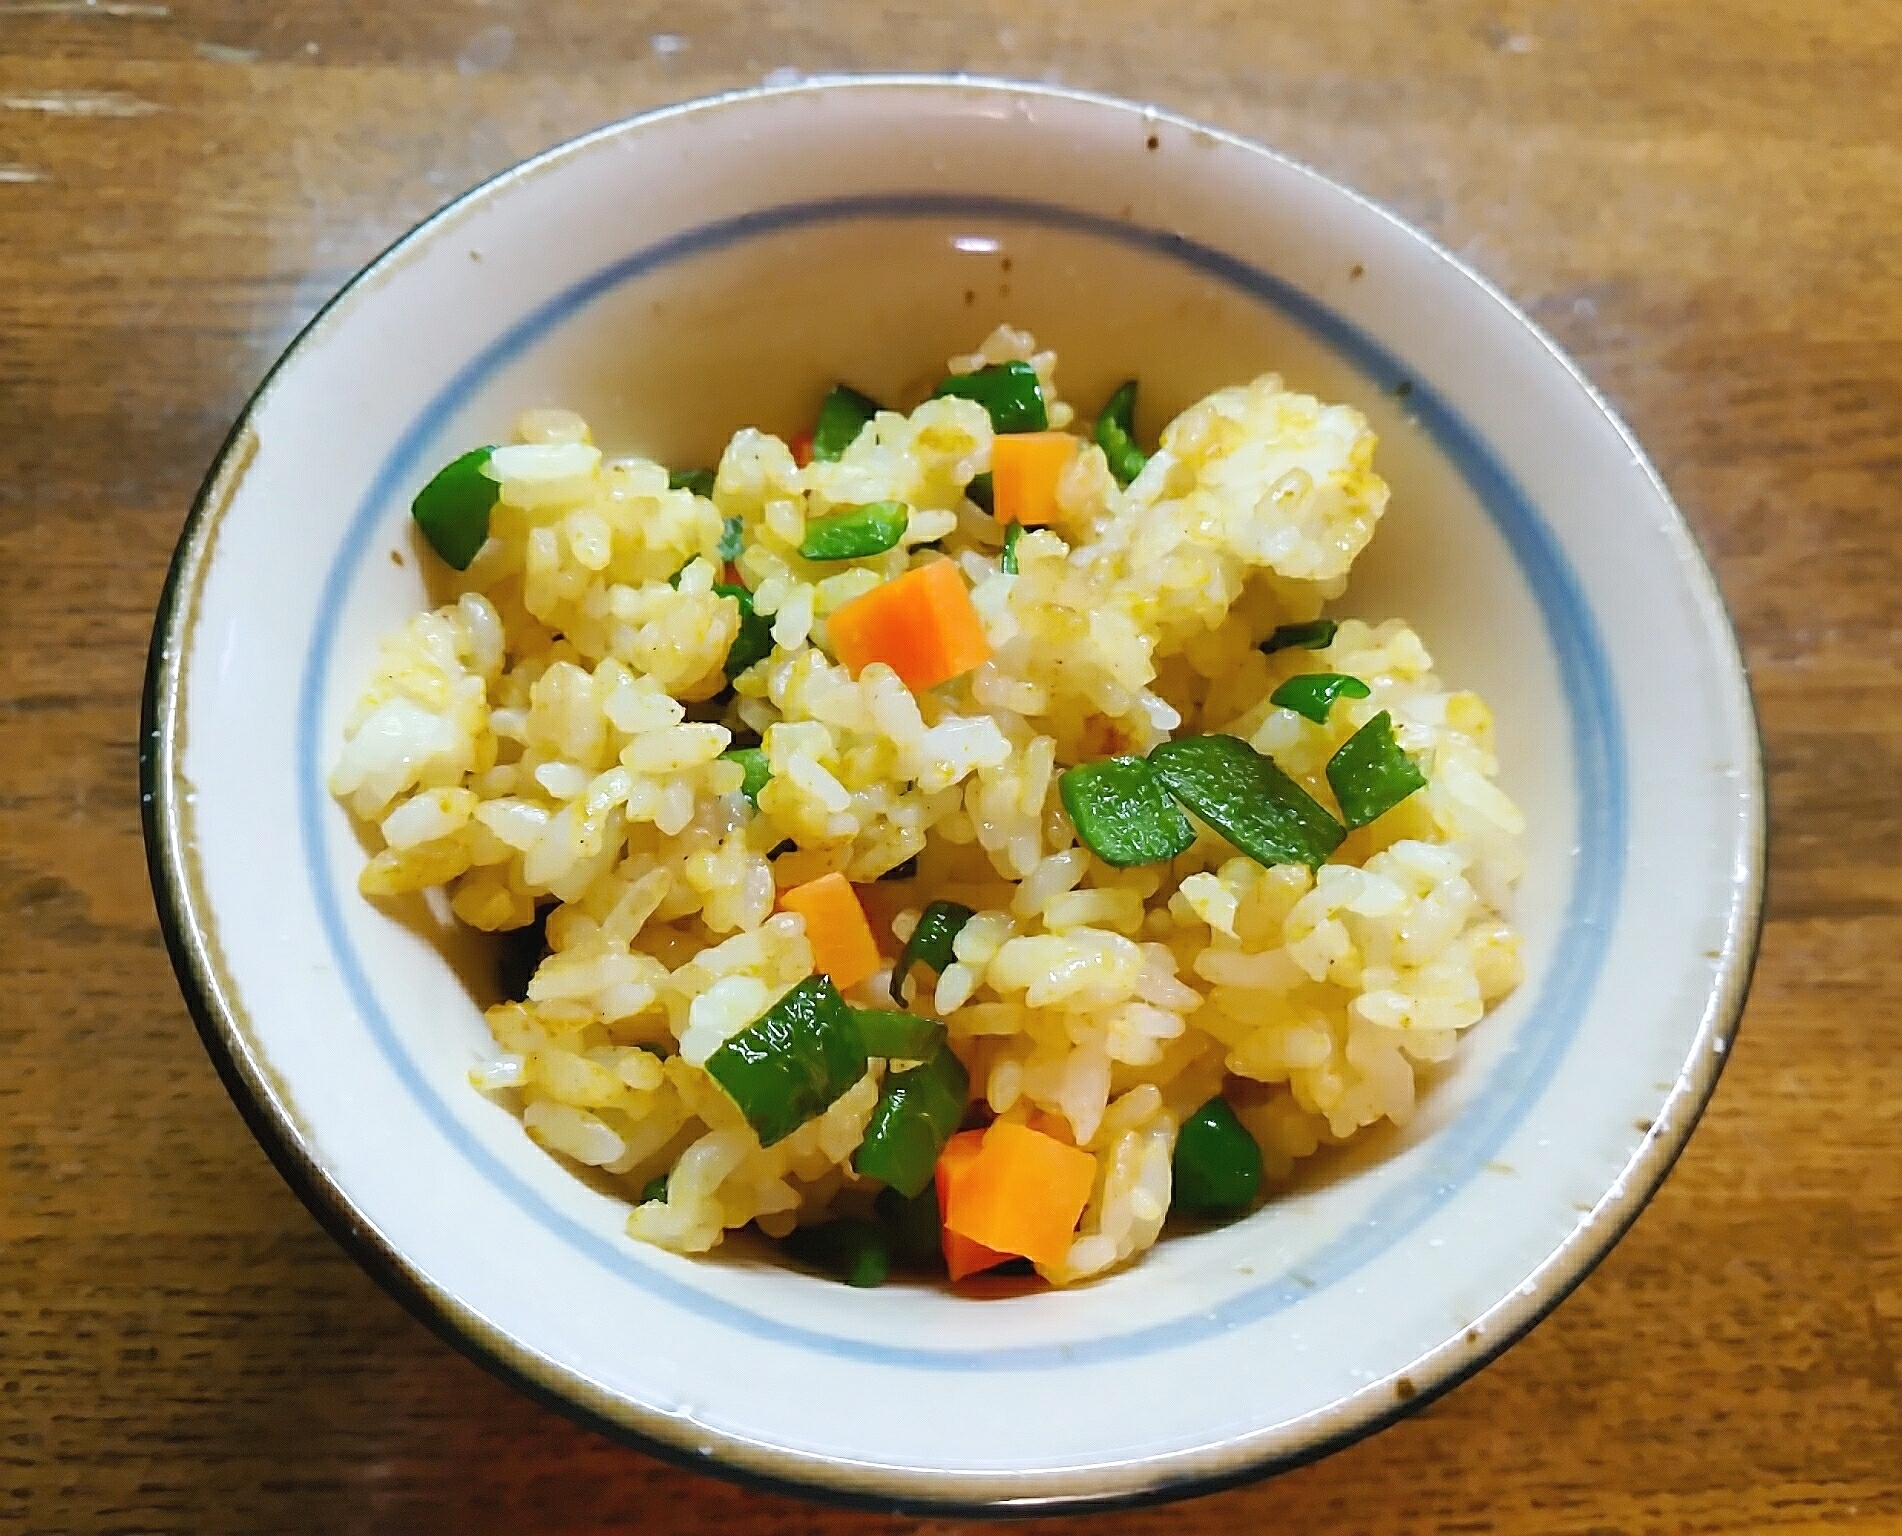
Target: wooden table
<point>1703,202</point>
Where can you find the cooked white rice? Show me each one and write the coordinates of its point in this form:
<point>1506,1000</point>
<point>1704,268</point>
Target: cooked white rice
<point>531,740</point>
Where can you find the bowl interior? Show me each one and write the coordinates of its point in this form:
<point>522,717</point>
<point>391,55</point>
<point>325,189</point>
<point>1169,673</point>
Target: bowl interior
<point>676,279</point>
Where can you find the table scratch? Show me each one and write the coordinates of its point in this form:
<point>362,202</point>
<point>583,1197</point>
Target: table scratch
<point>132,9</point>
<point>221,53</point>
<point>21,174</point>
<point>80,103</point>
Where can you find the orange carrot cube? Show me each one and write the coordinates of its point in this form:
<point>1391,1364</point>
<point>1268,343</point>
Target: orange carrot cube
<point>1025,469</point>
<point>842,944</point>
<point>961,1256</point>
<point>922,625</point>
<point>1023,1193</point>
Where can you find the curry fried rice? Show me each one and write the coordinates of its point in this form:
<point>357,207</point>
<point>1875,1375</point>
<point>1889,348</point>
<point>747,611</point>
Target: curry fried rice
<point>945,837</point>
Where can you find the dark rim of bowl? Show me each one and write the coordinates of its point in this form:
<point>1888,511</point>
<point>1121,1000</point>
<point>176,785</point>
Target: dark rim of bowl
<point>267,1111</point>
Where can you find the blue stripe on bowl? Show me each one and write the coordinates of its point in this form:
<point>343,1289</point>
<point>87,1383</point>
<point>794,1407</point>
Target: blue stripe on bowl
<point>1460,1151</point>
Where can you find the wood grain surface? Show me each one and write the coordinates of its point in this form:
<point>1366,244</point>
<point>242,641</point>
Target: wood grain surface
<point>1703,201</point>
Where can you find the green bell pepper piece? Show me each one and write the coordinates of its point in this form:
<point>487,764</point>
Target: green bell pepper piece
<point>758,773</point>
<point>453,509</point>
<point>844,415</point>
<point>1116,435</point>
<point>754,643</point>
<point>1217,1163</point>
<point>1313,693</point>
<point>789,1065</point>
<point>918,1112</point>
<point>1370,775</point>
<point>522,951</point>
<point>896,1035</point>
<point>1123,813</point>
<point>912,1227</point>
<point>854,1251</point>
<point>1009,391</point>
<point>938,925</point>
<point>1011,535</point>
<point>1315,635</point>
<point>1249,800</point>
<point>856,532</point>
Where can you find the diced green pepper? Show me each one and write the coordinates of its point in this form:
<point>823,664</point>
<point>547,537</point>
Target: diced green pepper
<point>854,1251</point>
<point>930,942</point>
<point>453,509</point>
<point>1009,391</point>
<point>1313,693</point>
<point>654,1189</point>
<point>982,494</point>
<point>754,642</point>
<point>522,952</point>
<point>732,539</point>
<point>1123,813</point>
<point>1315,635</point>
<point>907,870</point>
<point>1217,1163</point>
<point>912,1227</point>
<point>790,1064</point>
<point>1246,798</point>
<point>918,1112</point>
<point>699,481</point>
<point>1370,774</point>
<point>758,772</point>
<point>896,1035</point>
<point>856,532</point>
<point>1116,435</point>
<point>1011,535</point>
<point>845,414</point>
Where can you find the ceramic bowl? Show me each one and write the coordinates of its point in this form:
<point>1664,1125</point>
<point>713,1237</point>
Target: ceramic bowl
<point>720,263</point>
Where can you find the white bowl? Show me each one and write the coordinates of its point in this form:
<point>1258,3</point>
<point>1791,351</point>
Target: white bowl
<point>719,264</point>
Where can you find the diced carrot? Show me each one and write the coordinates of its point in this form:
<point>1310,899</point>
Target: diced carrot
<point>802,449</point>
<point>922,625</point>
<point>732,577</point>
<point>842,943</point>
<point>1022,1193</point>
<point>1049,1124</point>
<point>1025,468</point>
<point>961,1256</point>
